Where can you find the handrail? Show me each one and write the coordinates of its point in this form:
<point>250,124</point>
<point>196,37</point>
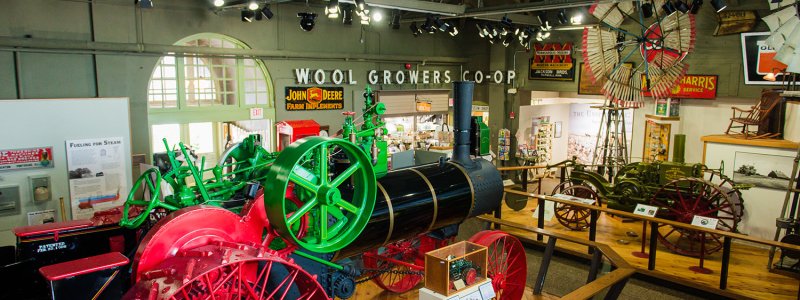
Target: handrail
<point>658,220</point>
<point>517,168</point>
<point>612,280</point>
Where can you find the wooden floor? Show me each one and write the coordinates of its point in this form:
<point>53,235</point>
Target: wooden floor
<point>748,274</point>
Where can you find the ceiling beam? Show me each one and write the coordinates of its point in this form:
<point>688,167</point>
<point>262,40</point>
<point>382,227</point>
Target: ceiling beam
<point>416,6</point>
<point>532,6</point>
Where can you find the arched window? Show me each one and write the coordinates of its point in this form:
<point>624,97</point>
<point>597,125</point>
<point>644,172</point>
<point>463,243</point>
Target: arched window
<point>204,100</point>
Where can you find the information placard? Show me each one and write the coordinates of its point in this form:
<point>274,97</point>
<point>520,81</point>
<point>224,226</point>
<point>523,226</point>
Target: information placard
<point>645,210</point>
<point>96,175</point>
<point>26,158</point>
<point>705,222</point>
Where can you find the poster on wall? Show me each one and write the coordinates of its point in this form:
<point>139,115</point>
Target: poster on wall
<point>656,141</point>
<point>693,87</point>
<point>583,128</point>
<point>96,175</point>
<point>759,59</point>
<point>26,158</point>
<point>552,61</point>
<point>762,170</point>
<point>314,98</point>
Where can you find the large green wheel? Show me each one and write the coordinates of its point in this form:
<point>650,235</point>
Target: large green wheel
<point>337,212</point>
<point>152,185</point>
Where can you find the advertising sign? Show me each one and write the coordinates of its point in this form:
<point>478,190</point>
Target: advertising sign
<point>16,159</point>
<point>552,61</point>
<point>693,87</point>
<point>97,179</point>
<point>759,59</point>
<point>314,98</point>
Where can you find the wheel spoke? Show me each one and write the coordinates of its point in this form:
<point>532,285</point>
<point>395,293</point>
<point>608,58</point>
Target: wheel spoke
<point>346,174</point>
<point>300,179</point>
<point>347,206</point>
<point>300,212</point>
<point>323,163</point>
<point>323,222</point>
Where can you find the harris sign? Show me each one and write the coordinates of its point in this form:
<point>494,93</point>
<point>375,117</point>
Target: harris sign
<point>314,98</point>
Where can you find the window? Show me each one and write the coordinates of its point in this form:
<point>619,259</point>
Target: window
<point>171,132</point>
<point>200,81</point>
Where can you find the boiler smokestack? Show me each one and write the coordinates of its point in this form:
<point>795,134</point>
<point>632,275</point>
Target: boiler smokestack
<point>462,113</point>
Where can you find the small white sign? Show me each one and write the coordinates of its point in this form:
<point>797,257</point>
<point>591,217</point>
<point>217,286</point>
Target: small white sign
<point>487,291</point>
<point>476,295</point>
<point>574,199</point>
<point>508,182</point>
<point>549,210</point>
<point>256,113</point>
<point>705,222</point>
<point>459,284</point>
<point>645,210</point>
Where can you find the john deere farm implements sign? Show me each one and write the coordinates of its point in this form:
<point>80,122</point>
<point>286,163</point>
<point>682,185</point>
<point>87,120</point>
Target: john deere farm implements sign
<point>314,98</point>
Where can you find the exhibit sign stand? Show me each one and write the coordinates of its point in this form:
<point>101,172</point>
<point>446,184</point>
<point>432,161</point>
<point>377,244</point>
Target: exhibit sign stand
<point>648,211</point>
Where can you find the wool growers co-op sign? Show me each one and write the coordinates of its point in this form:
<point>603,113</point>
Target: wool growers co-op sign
<point>338,76</point>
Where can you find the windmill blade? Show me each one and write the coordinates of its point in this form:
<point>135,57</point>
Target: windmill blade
<point>612,14</point>
<point>600,52</point>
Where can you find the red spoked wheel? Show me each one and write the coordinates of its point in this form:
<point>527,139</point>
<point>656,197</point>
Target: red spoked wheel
<point>471,277</point>
<point>224,270</point>
<point>573,217</point>
<point>507,267</point>
<point>680,200</point>
<point>401,263</point>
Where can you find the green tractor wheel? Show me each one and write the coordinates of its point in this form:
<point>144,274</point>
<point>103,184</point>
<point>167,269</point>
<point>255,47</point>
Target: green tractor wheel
<point>337,212</point>
<point>245,161</point>
<point>152,180</point>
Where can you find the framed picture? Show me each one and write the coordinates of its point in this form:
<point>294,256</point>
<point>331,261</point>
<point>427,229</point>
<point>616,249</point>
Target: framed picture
<point>759,59</point>
<point>763,170</point>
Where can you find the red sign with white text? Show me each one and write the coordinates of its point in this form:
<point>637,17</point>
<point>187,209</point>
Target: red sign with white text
<point>694,87</point>
<point>16,159</point>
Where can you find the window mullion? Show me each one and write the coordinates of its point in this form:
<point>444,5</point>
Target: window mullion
<point>240,92</point>
<point>180,79</point>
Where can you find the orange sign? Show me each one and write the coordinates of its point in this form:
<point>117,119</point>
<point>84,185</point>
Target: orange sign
<point>694,87</point>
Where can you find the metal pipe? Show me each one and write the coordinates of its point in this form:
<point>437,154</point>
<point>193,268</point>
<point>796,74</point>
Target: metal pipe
<point>160,50</point>
<point>462,115</point>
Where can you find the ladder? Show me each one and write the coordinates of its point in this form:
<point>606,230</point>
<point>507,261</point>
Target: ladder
<point>790,222</point>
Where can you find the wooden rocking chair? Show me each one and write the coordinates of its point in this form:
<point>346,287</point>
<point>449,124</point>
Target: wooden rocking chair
<point>757,115</point>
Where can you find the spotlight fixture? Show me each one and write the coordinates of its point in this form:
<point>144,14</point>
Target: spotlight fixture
<point>482,30</point>
<point>453,31</point>
<point>681,6</point>
<point>307,20</point>
<point>576,19</point>
<point>429,26</point>
<point>508,40</point>
<point>265,13</point>
<point>347,15</point>
<point>542,35</point>
<point>332,10</point>
<point>252,5</point>
<point>695,6</point>
<point>144,3</point>
<point>395,19</point>
<point>525,36</point>
<point>562,17</point>
<point>545,24</point>
<point>719,5</point>
<point>669,8</point>
<point>363,15</point>
<point>492,31</point>
<point>248,15</point>
<point>647,10</point>
<point>377,16</point>
<point>414,29</point>
<point>361,5</point>
<point>219,3</point>
<point>506,26</point>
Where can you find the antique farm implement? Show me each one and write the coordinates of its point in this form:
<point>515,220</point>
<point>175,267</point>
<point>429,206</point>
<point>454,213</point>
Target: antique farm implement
<point>679,190</point>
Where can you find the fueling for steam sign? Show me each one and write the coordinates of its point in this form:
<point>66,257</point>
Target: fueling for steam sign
<point>314,98</point>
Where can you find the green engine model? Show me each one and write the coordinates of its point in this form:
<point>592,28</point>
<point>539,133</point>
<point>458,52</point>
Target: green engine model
<point>306,170</point>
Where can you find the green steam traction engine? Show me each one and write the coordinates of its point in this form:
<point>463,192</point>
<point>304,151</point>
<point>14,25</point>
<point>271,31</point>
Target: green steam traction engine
<point>679,190</point>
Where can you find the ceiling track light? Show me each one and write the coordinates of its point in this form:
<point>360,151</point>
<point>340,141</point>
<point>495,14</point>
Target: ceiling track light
<point>361,5</point>
<point>508,40</point>
<point>332,10</point>
<point>562,17</point>
<point>395,19</point>
<point>307,20</point>
<point>719,5</point>
<point>696,4</point>
<point>219,3</point>
<point>647,10</point>
<point>414,29</point>
<point>347,15</point>
<point>681,6</point>
<point>252,5</point>
<point>144,3</point>
<point>265,12</point>
<point>429,25</point>
<point>248,15</point>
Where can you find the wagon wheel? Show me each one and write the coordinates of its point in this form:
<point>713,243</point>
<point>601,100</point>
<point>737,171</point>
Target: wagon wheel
<point>151,179</point>
<point>573,217</point>
<point>506,263</point>
<point>335,220</point>
<point>227,271</point>
<point>680,200</point>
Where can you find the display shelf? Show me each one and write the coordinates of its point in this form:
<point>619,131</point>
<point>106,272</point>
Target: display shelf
<point>770,143</point>
<point>662,118</point>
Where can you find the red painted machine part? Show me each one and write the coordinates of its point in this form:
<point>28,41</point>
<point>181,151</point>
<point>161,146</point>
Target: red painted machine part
<point>51,228</point>
<point>293,130</point>
<point>507,266</point>
<point>83,266</point>
<point>403,259</point>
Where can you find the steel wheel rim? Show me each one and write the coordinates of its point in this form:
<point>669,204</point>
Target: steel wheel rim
<point>507,265</point>
<point>154,189</point>
<point>405,251</point>
<point>572,217</point>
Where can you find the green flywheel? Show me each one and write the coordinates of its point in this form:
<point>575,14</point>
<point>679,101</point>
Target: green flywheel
<point>337,203</point>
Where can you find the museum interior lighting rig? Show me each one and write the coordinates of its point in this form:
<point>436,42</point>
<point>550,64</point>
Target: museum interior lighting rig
<point>309,222</point>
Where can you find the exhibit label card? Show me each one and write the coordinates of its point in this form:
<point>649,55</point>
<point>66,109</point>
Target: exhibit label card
<point>645,210</point>
<point>549,211</point>
<point>96,175</point>
<point>574,199</point>
<point>705,222</point>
